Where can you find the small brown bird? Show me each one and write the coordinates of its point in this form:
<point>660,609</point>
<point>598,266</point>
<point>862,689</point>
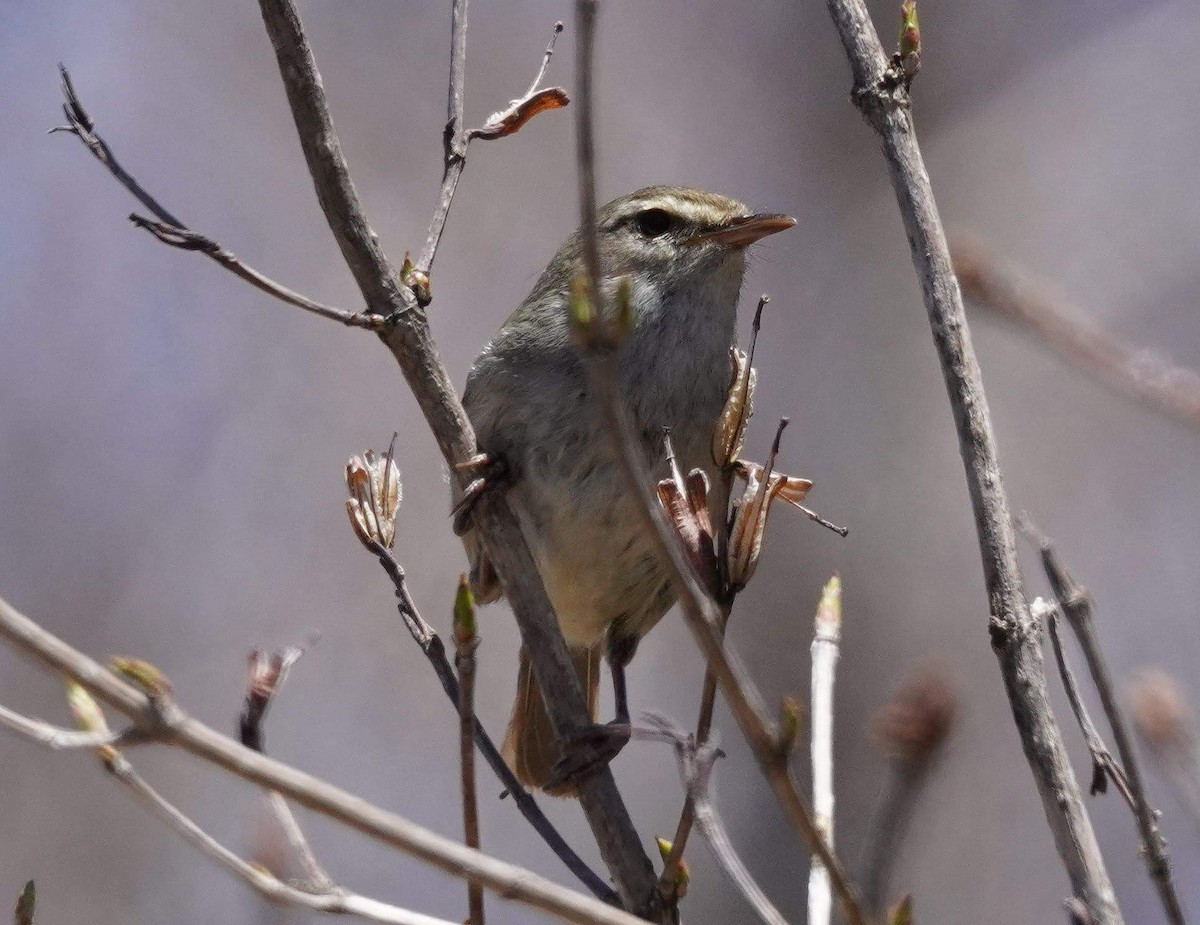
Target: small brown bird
<point>527,397</point>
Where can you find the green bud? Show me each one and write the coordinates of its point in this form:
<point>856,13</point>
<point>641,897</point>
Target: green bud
<point>464,613</point>
<point>581,311</point>
<point>910,39</point>
<point>146,676</point>
<point>683,877</point>
<point>789,724</point>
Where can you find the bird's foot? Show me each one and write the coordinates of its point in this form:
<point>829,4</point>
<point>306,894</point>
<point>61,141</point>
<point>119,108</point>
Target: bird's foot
<point>490,474</point>
<point>588,751</point>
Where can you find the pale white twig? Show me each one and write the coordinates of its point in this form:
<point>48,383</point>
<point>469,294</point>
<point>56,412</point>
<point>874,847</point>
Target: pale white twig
<point>824,660</point>
<point>57,738</point>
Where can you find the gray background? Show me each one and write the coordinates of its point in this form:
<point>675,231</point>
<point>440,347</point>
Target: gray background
<point>171,442</point>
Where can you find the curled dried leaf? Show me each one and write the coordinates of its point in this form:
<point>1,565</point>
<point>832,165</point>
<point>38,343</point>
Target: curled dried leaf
<point>511,120</point>
<point>750,515</point>
<point>685,502</point>
<point>730,431</point>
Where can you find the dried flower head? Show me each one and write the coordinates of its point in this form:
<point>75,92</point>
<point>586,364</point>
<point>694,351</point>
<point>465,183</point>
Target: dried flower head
<point>685,501</point>
<point>763,486</point>
<point>1162,714</point>
<point>374,485</point>
<point>912,726</point>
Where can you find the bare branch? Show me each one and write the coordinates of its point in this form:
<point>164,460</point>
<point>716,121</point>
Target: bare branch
<point>58,739</point>
<point>409,339</point>
<point>435,651</point>
<point>172,726</point>
<point>826,640</point>
<point>1104,765</point>
<point>702,613</point>
<point>173,232</point>
<point>887,108</point>
<point>466,641</point>
<point>695,769</point>
<point>996,284</point>
<point>1077,608</point>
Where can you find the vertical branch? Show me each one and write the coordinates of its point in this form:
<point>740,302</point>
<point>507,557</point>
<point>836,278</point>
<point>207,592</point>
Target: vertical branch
<point>826,639</point>
<point>1077,608</point>
<point>408,337</point>
<point>466,641</point>
<point>887,108</point>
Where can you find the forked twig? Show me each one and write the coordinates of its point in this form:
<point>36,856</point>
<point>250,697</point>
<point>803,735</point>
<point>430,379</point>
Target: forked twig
<point>886,105</point>
<point>171,231</point>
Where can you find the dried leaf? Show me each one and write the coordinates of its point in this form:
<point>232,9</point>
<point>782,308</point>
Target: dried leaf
<point>730,431</point>
<point>686,505</point>
<point>511,120</point>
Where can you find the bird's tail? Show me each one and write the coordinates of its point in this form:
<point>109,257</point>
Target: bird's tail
<point>530,746</point>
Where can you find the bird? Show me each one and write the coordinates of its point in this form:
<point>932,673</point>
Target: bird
<point>683,253</point>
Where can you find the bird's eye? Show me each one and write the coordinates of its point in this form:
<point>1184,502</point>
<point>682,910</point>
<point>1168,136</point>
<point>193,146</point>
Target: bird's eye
<point>653,222</point>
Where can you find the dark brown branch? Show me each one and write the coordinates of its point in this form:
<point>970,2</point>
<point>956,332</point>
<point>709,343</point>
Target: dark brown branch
<point>1104,765</point>
<point>173,232</point>
<point>993,283</point>
<point>1076,606</point>
<point>435,650</point>
<point>702,613</point>
<point>409,339</point>
<point>887,108</point>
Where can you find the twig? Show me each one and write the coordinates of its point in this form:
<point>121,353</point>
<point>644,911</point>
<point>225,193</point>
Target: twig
<point>58,739</point>
<point>910,729</point>
<point>331,900</point>
<point>1104,765</point>
<point>993,283</point>
<point>500,125</point>
<point>1077,608</point>
<point>695,770</point>
<point>701,611</point>
<point>170,230</point>
<point>826,638</point>
<point>466,641</point>
<point>888,110</point>
<point>435,651</point>
<point>409,339</point>
<point>266,678</point>
<point>174,727</point>
<point>1164,720</point>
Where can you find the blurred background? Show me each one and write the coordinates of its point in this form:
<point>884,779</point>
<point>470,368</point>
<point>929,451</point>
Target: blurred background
<point>172,441</point>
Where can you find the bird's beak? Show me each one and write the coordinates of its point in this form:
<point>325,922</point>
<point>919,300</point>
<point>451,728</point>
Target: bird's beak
<point>744,230</point>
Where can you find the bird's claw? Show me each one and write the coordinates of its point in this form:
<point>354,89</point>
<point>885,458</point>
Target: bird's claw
<point>492,475</point>
<point>588,751</point>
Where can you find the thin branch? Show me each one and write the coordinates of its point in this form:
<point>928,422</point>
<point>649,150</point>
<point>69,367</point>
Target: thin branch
<point>466,641</point>
<point>1104,765</point>
<point>911,729</point>
<point>333,901</point>
<point>500,125</point>
<point>266,679</point>
<point>826,639</point>
<point>1076,606</point>
<point>435,651</point>
<point>174,727</point>
<point>171,231</point>
<point>409,339</point>
<point>702,613</point>
<point>58,739</point>
<point>887,108</point>
<point>998,285</point>
<point>695,770</point>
